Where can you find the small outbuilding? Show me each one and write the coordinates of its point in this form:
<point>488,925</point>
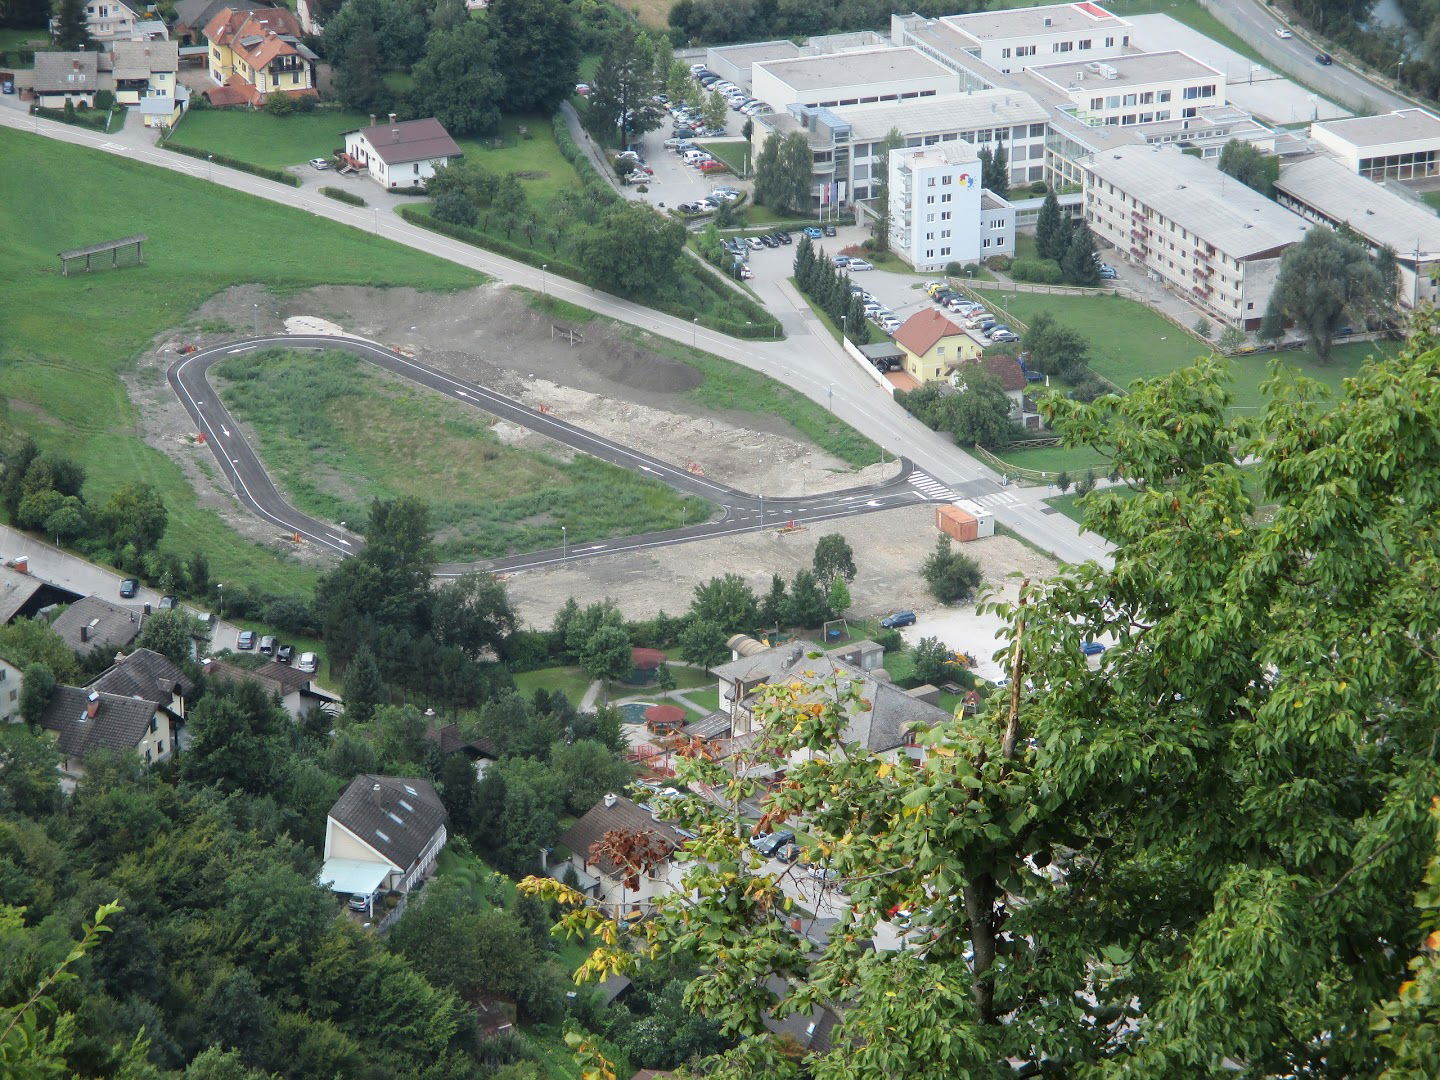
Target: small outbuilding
<point>664,719</point>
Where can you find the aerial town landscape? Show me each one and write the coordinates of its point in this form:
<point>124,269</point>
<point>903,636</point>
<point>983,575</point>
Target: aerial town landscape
<point>599,540</point>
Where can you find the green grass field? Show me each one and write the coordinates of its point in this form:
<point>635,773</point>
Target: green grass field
<point>731,153</point>
<point>65,341</point>
<point>339,433</point>
<point>535,158</point>
<point>570,681</point>
<point>35,38</point>
<point>262,139</point>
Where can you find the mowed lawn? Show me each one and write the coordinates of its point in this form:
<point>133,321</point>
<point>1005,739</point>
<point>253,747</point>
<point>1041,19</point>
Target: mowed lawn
<point>534,157</point>
<point>262,139</point>
<point>339,433</point>
<point>64,342</point>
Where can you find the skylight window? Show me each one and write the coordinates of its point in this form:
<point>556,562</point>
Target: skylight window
<point>395,818</point>
<point>382,836</point>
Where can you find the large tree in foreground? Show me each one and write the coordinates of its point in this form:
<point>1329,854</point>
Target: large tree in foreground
<point>622,93</point>
<point>541,45</point>
<point>1326,281</point>
<point>1199,860</point>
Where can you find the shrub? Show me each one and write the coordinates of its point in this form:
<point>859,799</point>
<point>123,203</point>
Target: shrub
<point>454,207</point>
<point>341,195</point>
<point>105,99</point>
<point>954,269</point>
<point>999,262</point>
<point>279,105</point>
<point>952,576</point>
<point>305,104</point>
<point>1040,271</point>
<point>1202,327</point>
<point>643,188</point>
<point>889,640</point>
<point>1039,187</point>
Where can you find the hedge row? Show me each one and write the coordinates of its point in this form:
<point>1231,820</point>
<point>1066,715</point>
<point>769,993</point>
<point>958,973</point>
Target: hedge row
<point>571,152</point>
<point>342,195</point>
<point>279,176</point>
<point>95,119</point>
<point>416,216</point>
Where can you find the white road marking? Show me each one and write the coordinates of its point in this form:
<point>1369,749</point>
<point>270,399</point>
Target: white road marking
<point>247,348</point>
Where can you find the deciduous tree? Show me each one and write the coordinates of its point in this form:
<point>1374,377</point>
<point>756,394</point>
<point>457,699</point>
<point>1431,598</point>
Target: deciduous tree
<point>703,643</point>
<point>979,413</point>
<point>1251,166</point>
<point>833,559</point>
<point>632,249</point>
<point>175,634</point>
<point>1324,282</point>
<point>1056,349</point>
<point>725,601</point>
<point>541,46</point>
<point>459,80</point>
<point>952,575</point>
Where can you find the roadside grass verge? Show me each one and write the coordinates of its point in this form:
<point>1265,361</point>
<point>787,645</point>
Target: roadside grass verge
<point>66,341</point>
<point>873,332</point>
<point>263,139</point>
<point>737,389</point>
<point>338,433</point>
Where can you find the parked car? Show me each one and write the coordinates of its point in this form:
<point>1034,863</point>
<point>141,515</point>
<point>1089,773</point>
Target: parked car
<point>128,588</point>
<point>245,640</point>
<point>284,654</point>
<point>267,644</point>
<point>1281,32</point>
<point>813,232</point>
<point>822,873</point>
<point>769,241</point>
<point>860,264</point>
<point>1109,275</point>
<point>1324,59</point>
<point>789,853</point>
<point>753,242</point>
<point>712,166</point>
<point>783,237</point>
<point>829,230</point>
<point>308,663</point>
<point>978,319</point>
<point>770,843</point>
<point>998,328</point>
<point>841,260</point>
<point>932,287</point>
<point>319,163</point>
<point>359,902</point>
<point>1004,335</point>
<point>1091,648</point>
<point>168,602</point>
<point>897,620</point>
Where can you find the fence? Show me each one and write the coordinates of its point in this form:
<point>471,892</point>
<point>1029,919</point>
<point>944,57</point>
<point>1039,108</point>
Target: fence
<point>853,351</point>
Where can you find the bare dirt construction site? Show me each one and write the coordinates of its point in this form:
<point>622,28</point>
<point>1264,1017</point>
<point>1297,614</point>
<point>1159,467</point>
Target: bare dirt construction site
<point>609,383</point>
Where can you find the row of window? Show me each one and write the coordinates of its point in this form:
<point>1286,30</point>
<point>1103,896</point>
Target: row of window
<point>1116,101</point>
<point>1082,45</point>
<point>869,100</point>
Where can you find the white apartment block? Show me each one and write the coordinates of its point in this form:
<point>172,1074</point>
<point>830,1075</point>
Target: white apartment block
<point>1204,234</point>
<point>939,213</point>
<point>1019,38</point>
<point>1402,145</point>
<point>1127,91</point>
<point>861,77</point>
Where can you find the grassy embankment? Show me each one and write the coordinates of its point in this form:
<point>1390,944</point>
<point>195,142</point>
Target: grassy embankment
<point>65,342</point>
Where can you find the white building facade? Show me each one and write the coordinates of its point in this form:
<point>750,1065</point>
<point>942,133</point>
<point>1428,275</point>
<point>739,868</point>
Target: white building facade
<point>1128,91</point>
<point>1401,145</point>
<point>1019,38</point>
<point>937,212</point>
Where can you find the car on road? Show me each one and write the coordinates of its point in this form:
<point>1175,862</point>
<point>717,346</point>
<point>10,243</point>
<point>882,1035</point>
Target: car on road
<point>770,843</point>
<point>284,654</point>
<point>319,163</point>
<point>859,264</point>
<point>308,663</point>
<point>813,232</point>
<point>128,588</point>
<point>245,640</point>
<point>1281,32</point>
<point>897,620</point>
<point>1324,59</point>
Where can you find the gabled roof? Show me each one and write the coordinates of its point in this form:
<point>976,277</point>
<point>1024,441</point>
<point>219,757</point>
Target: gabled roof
<point>1006,369</point>
<point>396,815</point>
<point>141,59</point>
<point>67,72</point>
<point>281,679</point>
<point>410,140</point>
<point>257,34</point>
<point>91,622</point>
<point>118,723</point>
<point>16,589</point>
<point>622,815</point>
<point>144,674</point>
<point>450,739</point>
<point>198,13</point>
<point>921,331</point>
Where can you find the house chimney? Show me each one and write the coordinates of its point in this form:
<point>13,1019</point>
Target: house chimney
<point>392,118</point>
<point>84,634</point>
<point>611,799</point>
<point>375,795</point>
<point>372,119</point>
<point>92,705</point>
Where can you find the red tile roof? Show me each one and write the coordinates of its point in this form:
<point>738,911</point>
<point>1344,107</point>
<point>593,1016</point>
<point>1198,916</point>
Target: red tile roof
<point>1006,369</point>
<point>922,330</point>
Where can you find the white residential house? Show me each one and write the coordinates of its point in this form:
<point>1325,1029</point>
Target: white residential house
<point>85,720</point>
<point>383,835</point>
<point>604,880</point>
<point>10,684</point>
<point>114,20</point>
<point>401,154</point>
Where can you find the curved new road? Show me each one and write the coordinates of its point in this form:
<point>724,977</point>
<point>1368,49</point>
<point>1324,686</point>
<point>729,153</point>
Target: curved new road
<point>737,511</point>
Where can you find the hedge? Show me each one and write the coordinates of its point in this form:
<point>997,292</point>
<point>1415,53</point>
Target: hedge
<point>416,216</point>
<point>95,119</point>
<point>277,175</point>
<point>342,195</point>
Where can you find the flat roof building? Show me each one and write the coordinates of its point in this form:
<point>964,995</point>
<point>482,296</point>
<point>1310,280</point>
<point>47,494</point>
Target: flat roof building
<point>1400,145</point>
<point>851,78</point>
<point>1208,236</point>
<point>1140,89</point>
<point>1325,190</point>
<point>1017,38</point>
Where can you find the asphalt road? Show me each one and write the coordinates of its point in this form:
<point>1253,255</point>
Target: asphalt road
<point>1295,56</point>
<point>809,360</point>
<point>735,510</point>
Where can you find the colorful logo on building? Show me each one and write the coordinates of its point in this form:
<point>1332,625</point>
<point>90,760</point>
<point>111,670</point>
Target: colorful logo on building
<point>967,179</point>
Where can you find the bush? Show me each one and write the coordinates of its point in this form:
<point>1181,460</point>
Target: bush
<point>1202,327</point>
<point>1039,187</point>
<point>105,99</point>
<point>279,105</point>
<point>954,269</point>
<point>341,195</point>
<point>889,640</point>
<point>1039,271</point>
<point>1000,262</point>
<point>306,103</point>
<point>456,208</point>
<point>952,576</point>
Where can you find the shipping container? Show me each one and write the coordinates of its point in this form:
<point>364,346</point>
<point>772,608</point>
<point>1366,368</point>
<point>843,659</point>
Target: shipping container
<point>956,523</point>
<point>984,519</point>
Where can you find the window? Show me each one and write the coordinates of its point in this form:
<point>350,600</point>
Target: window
<point>945,198</point>
<point>946,180</point>
<point>1025,50</point>
<point>1162,96</point>
<point>160,747</point>
<point>945,215</point>
<point>1130,99</point>
<point>1096,104</point>
<point>944,251</point>
<point>929,199</point>
<point>944,234</point>
<point>929,181</point>
<point>1004,54</point>
<point>930,253</point>
<point>152,725</point>
<point>1109,43</point>
<point>1084,43</point>
<point>1037,131</point>
<point>1147,98</point>
<point>1062,46</point>
<point>985,242</point>
<point>929,217</point>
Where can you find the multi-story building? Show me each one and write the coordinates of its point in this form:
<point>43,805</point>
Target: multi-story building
<point>255,53</point>
<point>1126,91</point>
<point>1401,145</point>
<point>1017,38</point>
<point>851,78</point>
<point>939,213</point>
<point>1326,190</point>
<point>1204,234</point>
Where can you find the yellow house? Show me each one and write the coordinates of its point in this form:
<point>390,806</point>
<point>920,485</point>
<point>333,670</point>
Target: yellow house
<point>933,346</point>
<point>255,53</point>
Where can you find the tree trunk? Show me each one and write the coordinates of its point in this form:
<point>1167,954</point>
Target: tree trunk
<point>980,910</point>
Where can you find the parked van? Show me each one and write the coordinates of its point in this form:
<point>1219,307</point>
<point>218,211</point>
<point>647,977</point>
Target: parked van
<point>267,644</point>
<point>694,156</point>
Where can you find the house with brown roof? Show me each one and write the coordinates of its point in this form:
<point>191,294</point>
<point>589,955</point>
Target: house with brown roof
<point>383,835</point>
<point>400,154</point>
<point>933,346</point>
<point>623,890</point>
<point>297,694</point>
<point>91,623</point>
<point>1012,379</point>
<point>147,674</point>
<point>85,720</point>
<point>256,52</point>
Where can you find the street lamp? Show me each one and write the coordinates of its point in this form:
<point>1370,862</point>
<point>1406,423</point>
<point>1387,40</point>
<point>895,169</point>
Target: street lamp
<point>220,589</point>
<point>695,332</point>
<point>544,290</point>
<point>832,397</point>
<point>209,166</point>
<point>257,319</point>
<point>565,542</point>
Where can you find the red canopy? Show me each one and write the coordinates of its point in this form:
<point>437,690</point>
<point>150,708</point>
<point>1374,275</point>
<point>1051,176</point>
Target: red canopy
<point>660,716</point>
<point>647,659</point>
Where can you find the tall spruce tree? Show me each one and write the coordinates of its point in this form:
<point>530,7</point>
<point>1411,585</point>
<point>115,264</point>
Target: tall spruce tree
<point>1047,227</point>
<point>71,30</point>
<point>1079,265</point>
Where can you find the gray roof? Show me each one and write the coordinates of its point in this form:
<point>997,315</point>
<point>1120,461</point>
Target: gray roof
<point>91,623</point>
<point>1015,22</point>
<point>144,674</point>
<point>1137,69</point>
<point>67,72</point>
<point>882,350</point>
<point>625,816</point>
<point>943,112</point>
<point>1402,125</point>
<point>1371,209</point>
<point>832,72</point>
<point>273,678</point>
<point>411,140</point>
<point>16,590</point>
<point>878,723</point>
<point>395,815</point>
<point>715,726</point>
<point>140,59</point>
<point>813,1031</point>
<point>1204,201</point>
<point>119,722</point>
<point>198,13</point>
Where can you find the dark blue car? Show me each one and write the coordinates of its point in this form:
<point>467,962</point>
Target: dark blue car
<point>899,619</point>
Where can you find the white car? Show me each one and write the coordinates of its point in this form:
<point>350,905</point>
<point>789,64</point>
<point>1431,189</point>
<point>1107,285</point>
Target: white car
<point>319,163</point>
<point>1281,32</point>
<point>308,663</point>
<point>859,264</point>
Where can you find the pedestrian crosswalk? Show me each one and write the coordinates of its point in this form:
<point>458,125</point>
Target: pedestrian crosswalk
<point>998,498</point>
<point>931,488</point>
